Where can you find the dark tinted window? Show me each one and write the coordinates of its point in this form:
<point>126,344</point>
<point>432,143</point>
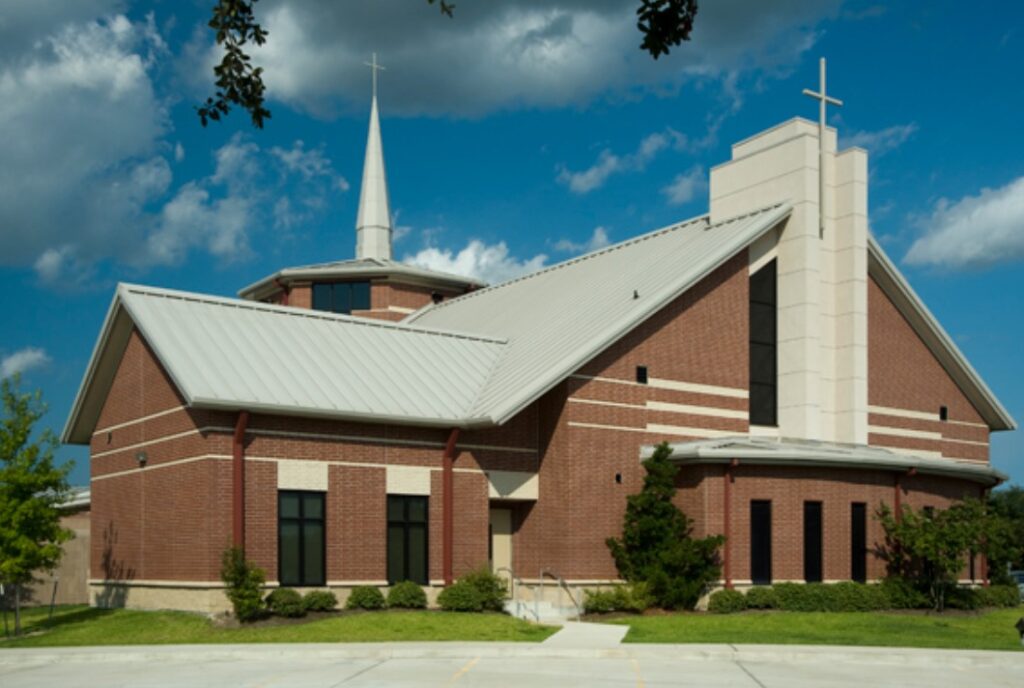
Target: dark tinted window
<point>859,542</point>
<point>812,542</point>
<point>341,297</point>
<point>763,338</point>
<point>761,542</point>
<point>407,539</point>
<point>300,538</point>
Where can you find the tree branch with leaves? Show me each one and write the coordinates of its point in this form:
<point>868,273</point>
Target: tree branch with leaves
<point>663,24</point>
<point>31,489</point>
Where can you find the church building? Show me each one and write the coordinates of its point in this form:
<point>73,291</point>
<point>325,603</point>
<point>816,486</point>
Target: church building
<point>364,421</point>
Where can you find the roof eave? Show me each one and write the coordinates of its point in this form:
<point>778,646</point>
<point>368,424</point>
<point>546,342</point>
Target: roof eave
<point>464,423</point>
<point>702,454</point>
<point>937,340</point>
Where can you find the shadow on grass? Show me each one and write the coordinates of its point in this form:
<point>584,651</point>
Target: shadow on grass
<point>61,618</point>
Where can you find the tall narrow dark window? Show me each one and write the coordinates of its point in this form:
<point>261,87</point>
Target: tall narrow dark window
<point>859,542</point>
<point>407,539</point>
<point>761,542</point>
<point>341,297</point>
<point>763,338</point>
<point>300,538</point>
<point>812,542</point>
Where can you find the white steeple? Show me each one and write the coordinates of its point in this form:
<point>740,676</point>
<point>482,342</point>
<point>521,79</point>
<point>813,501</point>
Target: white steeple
<point>373,223</point>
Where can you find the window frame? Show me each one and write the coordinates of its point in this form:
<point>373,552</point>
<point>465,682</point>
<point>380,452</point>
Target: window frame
<point>303,580</point>
<point>763,300</point>
<point>406,525</point>
<point>767,554</point>
<point>333,297</point>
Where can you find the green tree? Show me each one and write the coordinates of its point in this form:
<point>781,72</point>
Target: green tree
<point>663,24</point>
<point>31,488</point>
<point>657,546</point>
<point>931,547</point>
<point>1008,503</point>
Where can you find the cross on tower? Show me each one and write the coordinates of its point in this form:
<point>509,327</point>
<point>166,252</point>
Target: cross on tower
<point>823,100</point>
<point>374,67</point>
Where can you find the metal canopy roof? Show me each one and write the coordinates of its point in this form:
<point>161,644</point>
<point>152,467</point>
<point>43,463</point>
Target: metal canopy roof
<point>765,451</point>
<point>359,268</point>
<point>557,319</point>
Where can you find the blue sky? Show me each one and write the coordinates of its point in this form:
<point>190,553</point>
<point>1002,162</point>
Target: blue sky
<point>516,134</point>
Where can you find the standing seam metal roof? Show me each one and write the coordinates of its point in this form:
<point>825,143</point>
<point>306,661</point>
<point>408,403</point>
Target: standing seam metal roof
<point>558,318</point>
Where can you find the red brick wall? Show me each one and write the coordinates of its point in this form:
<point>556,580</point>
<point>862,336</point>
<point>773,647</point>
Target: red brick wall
<point>904,374</point>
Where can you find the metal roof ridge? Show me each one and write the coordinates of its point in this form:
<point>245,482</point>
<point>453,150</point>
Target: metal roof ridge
<point>125,288</point>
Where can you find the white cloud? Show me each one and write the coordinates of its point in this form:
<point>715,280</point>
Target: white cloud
<point>22,361</point>
<point>179,152</point>
<point>686,186</point>
<point>597,241</point>
<point>609,163</point>
<point>493,56</point>
<point>490,263</point>
<point>881,141</point>
<point>976,231</point>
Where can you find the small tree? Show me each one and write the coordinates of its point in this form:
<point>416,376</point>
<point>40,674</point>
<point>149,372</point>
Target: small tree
<point>31,488</point>
<point>1008,503</point>
<point>931,547</point>
<point>244,584</point>
<point>657,546</point>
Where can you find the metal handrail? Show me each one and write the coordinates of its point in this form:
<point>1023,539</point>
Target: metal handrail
<point>561,585</point>
<point>513,578</point>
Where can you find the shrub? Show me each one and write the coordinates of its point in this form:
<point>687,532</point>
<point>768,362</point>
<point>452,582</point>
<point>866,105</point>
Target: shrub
<point>761,597</point>
<point>657,545</point>
<point>634,597</point>
<point>407,595</point>
<point>461,597</point>
<point>727,602</point>
<point>244,584</point>
<point>854,597</point>
<point>319,601</point>
<point>491,588</point>
<point>999,596</point>
<point>600,601</point>
<point>286,602</point>
<point>903,594</point>
<point>365,597</point>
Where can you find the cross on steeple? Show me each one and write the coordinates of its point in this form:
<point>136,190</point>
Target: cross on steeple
<point>374,67</point>
<point>824,100</point>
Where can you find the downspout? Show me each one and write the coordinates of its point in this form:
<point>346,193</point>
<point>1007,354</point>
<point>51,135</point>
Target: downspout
<point>727,522</point>
<point>238,481</point>
<point>448,505</point>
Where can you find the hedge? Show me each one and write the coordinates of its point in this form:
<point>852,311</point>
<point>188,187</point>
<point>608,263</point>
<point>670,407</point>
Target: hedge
<point>634,598</point>
<point>319,601</point>
<point>727,602</point>
<point>461,596</point>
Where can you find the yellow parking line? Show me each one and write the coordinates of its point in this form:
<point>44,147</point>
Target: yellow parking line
<point>463,671</point>
<point>636,669</point>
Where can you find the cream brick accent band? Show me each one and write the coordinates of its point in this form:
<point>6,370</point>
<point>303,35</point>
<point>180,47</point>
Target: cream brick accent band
<point>130,423</point>
<point>300,474</point>
<point>919,415</point>
<point>656,429</point>
<point>903,432</point>
<point>695,388</point>
<point>156,467</point>
<point>406,480</point>
<point>697,410</point>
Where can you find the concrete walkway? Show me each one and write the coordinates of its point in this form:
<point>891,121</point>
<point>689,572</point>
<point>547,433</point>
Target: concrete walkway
<point>504,664</point>
<point>580,634</point>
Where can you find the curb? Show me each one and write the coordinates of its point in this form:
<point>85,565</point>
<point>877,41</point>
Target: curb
<point>384,651</point>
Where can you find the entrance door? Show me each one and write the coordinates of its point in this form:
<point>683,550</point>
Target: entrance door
<point>500,548</point>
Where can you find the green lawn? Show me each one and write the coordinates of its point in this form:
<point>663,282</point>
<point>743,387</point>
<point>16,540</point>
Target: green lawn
<point>80,625</point>
<point>992,630</point>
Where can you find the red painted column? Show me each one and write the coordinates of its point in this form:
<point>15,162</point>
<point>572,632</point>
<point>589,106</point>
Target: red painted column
<point>727,523</point>
<point>448,506</point>
<point>238,481</point>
